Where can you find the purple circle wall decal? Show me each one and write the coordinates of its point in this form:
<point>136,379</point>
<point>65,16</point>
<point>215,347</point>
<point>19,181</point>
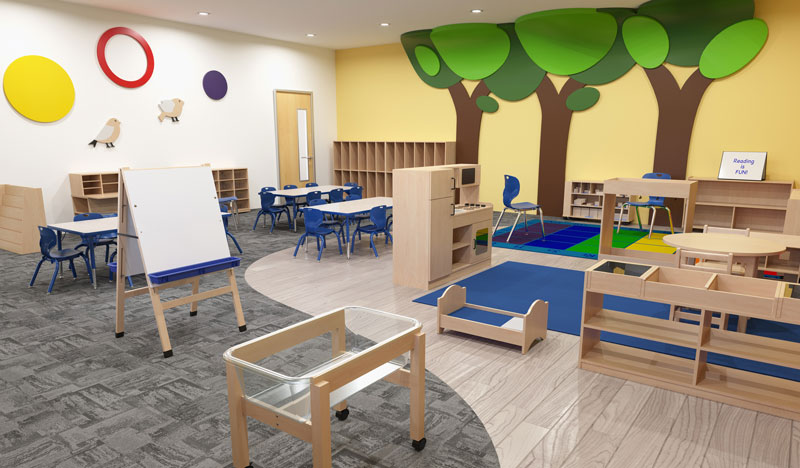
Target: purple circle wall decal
<point>215,85</point>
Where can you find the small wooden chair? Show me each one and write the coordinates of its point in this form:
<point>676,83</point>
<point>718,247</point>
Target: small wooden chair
<point>702,261</point>
<point>738,269</point>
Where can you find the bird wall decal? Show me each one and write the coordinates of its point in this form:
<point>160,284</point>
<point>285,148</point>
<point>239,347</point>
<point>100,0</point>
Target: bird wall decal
<point>108,134</point>
<point>171,108</point>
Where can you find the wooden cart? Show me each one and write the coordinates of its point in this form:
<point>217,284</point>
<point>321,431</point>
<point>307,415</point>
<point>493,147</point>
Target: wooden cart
<point>299,404</point>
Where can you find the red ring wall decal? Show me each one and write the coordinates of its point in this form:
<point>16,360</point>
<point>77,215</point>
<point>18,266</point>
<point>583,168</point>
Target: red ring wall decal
<point>101,56</point>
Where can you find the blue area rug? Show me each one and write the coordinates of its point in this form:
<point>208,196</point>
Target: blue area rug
<point>513,286</point>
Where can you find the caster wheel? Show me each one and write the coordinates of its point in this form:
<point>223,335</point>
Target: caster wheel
<point>418,444</point>
<point>343,414</point>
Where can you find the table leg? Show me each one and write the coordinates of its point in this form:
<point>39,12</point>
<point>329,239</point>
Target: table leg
<point>321,425</point>
<point>417,387</point>
<point>294,210</point>
<point>238,419</point>
<point>347,234</point>
<point>235,211</point>
<point>90,247</point>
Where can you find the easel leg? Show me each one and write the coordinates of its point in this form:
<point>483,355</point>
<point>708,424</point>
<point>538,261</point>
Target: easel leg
<point>161,323</point>
<point>237,304</point>
<point>195,290</point>
<point>417,387</point>
<point>119,328</point>
<point>239,443</point>
<point>321,425</point>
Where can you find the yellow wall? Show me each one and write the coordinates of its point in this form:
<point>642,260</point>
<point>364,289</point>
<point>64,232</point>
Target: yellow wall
<point>380,98</point>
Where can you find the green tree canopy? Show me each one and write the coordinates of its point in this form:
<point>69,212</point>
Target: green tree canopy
<point>691,24</point>
<point>472,50</point>
<point>444,78</point>
<point>647,41</point>
<point>567,41</point>
<point>733,48</point>
<point>519,77</point>
<point>616,62</point>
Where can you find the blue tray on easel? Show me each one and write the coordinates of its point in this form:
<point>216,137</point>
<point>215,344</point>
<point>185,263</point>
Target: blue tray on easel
<point>175,274</point>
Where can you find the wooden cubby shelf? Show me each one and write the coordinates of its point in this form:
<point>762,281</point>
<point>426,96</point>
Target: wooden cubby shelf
<point>591,192</point>
<point>370,163</point>
<point>709,292</point>
<point>759,205</point>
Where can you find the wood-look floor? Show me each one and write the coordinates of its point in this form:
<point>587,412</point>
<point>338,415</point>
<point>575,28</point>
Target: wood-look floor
<point>540,409</point>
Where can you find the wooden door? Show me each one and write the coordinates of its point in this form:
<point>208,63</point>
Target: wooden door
<point>294,118</point>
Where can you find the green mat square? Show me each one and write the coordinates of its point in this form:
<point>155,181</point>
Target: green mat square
<point>621,240</point>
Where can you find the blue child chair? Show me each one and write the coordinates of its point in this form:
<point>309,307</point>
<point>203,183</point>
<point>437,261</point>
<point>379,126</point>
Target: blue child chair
<point>47,244</point>
<point>225,216</point>
<point>316,195</point>
<point>336,195</point>
<point>654,203</point>
<point>315,228</point>
<point>312,184</point>
<point>379,225</point>
<point>350,184</point>
<point>106,240</point>
<point>510,192</point>
<point>328,222</point>
<point>355,193</point>
<point>268,208</point>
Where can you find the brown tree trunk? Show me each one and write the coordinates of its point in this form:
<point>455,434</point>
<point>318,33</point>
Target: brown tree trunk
<point>468,121</point>
<point>677,109</point>
<point>556,120</point>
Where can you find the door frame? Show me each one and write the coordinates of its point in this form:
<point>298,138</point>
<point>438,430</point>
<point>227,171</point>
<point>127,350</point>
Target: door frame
<point>313,132</point>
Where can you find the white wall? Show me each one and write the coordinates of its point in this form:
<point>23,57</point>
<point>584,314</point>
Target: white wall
<point>238,130</point>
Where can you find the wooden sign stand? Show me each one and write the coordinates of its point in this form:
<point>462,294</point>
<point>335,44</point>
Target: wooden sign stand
<point>161,280</point>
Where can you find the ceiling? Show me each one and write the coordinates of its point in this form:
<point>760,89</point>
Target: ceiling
<point>338,24</point>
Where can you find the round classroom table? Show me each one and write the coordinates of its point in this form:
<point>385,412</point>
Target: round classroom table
<point>745,249</point>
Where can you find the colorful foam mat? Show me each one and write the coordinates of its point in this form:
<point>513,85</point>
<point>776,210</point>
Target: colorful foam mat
<point>575,239</point>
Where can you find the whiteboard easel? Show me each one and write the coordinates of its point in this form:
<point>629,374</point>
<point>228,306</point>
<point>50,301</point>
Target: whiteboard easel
<point>171,229</point>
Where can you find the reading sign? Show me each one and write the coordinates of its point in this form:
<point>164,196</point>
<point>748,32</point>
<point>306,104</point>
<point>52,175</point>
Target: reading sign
<point>743,165</point>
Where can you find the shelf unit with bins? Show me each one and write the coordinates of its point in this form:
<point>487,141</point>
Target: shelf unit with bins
<point>233,182</point>
<point>370,163</point>
<point>759,205</point>
<point>750,297</point>
<point>94,192</point>
<point>21,214</point>
<point>591,191</point>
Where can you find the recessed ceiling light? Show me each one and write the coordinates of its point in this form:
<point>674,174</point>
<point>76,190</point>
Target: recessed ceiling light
<point>476,10</point>
<point>310,35</point>
<point>384,24</point>
<point>203,13</point>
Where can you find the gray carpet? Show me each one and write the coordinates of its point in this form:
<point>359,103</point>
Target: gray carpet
<point>71,395</point>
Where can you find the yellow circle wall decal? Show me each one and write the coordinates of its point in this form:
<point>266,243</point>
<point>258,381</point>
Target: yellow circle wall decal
<point>38,88</point>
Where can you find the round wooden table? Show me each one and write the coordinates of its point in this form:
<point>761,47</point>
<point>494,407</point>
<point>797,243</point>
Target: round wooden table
<point>745,250</point>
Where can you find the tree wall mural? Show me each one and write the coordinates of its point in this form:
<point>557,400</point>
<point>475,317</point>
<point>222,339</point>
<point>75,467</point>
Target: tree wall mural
<point>590,47</point>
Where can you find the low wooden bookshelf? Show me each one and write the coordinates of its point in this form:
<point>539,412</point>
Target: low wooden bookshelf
<point>583,199</point>
<point>233,182</point>
<point>370,163</point>
<point>751,297</point>
<point>758,205</point>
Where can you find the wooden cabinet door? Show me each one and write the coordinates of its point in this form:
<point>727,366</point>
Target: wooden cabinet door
<point>441,245</point>
<point>442,183</point>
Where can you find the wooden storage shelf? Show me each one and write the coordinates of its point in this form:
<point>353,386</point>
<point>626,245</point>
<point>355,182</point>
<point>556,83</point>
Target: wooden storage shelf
<point>710,292</point>
<point>370,163</point>
<point>233,183</point>
<point>21,214</point>
<point>759,205</point>
<point>625,360</point>
<point>94,192</point>
<point>648,328</point>
<point>593,190</point>
<point>756,348</point>
<point>460,245</point>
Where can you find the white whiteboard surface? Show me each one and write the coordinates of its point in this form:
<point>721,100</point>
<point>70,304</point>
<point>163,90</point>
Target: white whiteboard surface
<point>743,165</point>
<point>177,216</point>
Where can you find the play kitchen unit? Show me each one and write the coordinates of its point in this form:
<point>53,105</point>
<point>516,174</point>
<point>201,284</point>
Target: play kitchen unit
<point>441,230</point>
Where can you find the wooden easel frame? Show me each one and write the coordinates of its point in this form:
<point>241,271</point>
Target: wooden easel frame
<point>154,291</point>
<point>317,430</point>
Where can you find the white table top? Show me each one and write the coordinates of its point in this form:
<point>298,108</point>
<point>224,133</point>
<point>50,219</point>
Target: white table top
<point>303,191</point>
<point>791,241</point>
<point>725,243</point>
<point>90,226</point>
<point>355,206</point>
